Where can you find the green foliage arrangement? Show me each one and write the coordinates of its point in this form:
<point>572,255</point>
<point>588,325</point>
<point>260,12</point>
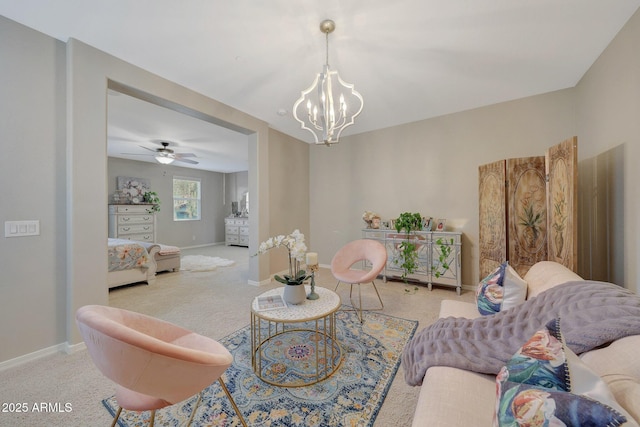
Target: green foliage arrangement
<point>407,223</point>
<point>152,197</point>
<point>297,279</point>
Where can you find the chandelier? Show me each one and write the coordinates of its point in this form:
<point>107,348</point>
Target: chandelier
<point>329,105</point>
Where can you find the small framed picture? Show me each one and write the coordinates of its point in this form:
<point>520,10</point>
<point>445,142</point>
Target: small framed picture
<point>427,223</point>
<point>392,224</point>
<point>440,224</point>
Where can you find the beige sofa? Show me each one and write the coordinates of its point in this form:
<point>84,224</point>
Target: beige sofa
<point>454,397</point>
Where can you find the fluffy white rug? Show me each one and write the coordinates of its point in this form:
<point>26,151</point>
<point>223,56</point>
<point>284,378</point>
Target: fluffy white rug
<point>203,263</point>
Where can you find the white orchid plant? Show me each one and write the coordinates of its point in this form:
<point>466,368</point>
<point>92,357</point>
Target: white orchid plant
<point>296,247</point>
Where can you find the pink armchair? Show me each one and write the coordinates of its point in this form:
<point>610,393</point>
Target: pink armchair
<point>153,363</point>
<point>353,252</point>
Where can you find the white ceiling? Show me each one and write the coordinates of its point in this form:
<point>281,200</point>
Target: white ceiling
<point>133,124</point>
<point>410,60</point>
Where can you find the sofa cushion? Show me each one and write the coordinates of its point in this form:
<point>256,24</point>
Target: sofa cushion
<point>545,275</point>
<point>500,290</point>
<point>546,381</point>
<point>455,397</point>
<point>619,366</point>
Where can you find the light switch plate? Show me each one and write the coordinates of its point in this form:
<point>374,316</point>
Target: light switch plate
<point>22,228</point>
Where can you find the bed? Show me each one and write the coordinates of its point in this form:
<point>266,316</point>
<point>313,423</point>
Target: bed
<point>131,262</point>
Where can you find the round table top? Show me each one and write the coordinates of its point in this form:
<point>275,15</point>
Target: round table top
<point>328,303</point>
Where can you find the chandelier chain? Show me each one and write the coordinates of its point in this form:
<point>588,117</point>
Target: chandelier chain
<point>327,45</point>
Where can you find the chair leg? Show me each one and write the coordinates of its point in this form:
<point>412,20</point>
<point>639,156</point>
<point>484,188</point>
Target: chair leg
<point>233,402</point>
<point>359,308</point>
<point>115,419</point>
<point>377,293</point>
<point>356,307</point>
<point>195,408</point>
<point>337,284</point>
<point>152,421</point>
<point>360,304</point>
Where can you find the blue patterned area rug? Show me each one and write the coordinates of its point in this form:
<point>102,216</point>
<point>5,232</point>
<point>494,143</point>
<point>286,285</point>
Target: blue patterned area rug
<point>352,396</point>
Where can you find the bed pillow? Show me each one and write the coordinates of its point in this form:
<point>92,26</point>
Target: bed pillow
<point>500,290</point>
<point>546,384</point>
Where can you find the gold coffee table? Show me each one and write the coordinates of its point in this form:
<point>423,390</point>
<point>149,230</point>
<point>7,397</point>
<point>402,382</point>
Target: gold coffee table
<point>296,346</point>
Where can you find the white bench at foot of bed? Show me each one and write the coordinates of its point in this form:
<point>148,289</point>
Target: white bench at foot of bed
<point>168,258</point>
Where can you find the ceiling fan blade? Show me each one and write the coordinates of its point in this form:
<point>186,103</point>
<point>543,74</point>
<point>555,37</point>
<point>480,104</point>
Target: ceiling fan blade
<point>147,148</point>
<point>178,159</point>
<point>137,154</point>
<point>186,155</point>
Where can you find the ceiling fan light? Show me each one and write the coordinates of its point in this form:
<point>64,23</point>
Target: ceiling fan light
<point>164,160</point>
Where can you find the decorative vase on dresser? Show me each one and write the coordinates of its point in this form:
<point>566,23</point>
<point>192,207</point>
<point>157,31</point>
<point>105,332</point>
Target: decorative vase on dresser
<point>236,231</point>
<point>132,222</point>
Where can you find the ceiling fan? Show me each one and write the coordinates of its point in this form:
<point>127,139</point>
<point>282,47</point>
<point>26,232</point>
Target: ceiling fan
<point>166,155</point>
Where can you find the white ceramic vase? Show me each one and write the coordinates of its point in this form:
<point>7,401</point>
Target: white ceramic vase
<point>294,294</point>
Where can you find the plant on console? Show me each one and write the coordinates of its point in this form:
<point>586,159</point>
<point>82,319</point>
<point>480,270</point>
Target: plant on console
<point>407,223</point>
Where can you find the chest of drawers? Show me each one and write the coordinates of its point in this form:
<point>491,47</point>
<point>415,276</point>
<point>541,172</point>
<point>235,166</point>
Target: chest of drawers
<point>132,222</point>
<point>236,231</point>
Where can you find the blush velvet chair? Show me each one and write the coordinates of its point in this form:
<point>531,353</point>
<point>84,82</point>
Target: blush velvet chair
<point>359,250</point>
<point>153,363</point>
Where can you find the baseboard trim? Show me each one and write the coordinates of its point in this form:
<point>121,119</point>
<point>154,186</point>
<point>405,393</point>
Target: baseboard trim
<point>260,283</point>
<point>74,348</point>
<point>12,363</point>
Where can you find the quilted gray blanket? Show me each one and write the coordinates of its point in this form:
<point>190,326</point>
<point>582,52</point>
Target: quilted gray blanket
<point>591,314</point>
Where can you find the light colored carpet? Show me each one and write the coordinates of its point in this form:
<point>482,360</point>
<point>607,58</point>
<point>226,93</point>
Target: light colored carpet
<point>214,304</point>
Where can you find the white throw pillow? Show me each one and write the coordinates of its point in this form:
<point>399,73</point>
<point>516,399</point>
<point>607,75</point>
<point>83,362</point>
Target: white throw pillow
<point>500,290</point>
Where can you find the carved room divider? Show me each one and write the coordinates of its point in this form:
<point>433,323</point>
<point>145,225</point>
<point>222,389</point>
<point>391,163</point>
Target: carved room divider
<point>528,210</point>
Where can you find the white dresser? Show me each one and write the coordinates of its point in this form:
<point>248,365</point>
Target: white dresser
<point>132,222</point>
<point>236,231</point>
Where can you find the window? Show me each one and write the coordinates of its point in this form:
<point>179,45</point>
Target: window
<point>186,199</point>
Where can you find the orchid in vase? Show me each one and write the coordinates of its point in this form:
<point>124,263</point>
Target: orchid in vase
<point>296,247</point>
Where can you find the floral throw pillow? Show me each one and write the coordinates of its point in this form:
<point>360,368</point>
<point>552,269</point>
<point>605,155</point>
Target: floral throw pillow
<point>546,384</point>
<point>500,290</point>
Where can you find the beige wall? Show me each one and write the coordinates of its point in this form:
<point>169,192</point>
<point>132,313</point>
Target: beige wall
<point>429,167</point>
<point>608,119</point>
<point>289,191</point>
<point>32,172</point>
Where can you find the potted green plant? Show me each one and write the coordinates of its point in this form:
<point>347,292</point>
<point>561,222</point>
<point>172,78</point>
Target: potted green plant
<point>407,223</point>
<point>152,198</point>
